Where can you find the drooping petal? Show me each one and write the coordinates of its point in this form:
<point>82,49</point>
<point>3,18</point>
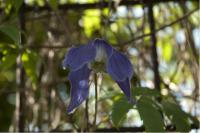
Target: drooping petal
<point>103,49</point>
<point>119,66</point>
<point>79,87</point>
<point>79,56</point>
<point>125,87</point>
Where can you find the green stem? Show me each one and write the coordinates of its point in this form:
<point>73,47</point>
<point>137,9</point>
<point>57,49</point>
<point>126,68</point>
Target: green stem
<point>87,115</point>
<point>96,101</point>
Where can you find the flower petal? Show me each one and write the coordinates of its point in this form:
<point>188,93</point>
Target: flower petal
<point>125,87</point>
<point>79,87</point>
<point>119,66</point>
<point>79,56</point>
<point>101,46</point>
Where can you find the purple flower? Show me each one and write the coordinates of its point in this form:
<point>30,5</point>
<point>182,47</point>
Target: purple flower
<point>80,60</point>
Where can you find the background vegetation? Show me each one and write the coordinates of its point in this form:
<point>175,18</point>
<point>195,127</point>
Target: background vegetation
<point>161,38</point>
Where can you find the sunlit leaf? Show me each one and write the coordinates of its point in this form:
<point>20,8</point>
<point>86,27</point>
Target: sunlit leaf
<point>8,60</point>
<point>29,60</point>
<point>150,115</point>
<point>40,2</point>
<point>167,51</point>
<point>16,4</point>
<point>91,21</point>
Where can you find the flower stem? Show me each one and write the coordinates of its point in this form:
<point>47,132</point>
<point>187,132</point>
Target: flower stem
<point>96,101</point>
<point>87,115</point>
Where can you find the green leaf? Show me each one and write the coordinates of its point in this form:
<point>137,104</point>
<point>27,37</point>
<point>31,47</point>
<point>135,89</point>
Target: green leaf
<point>167,51</point>
<point>8,60</point>
<point>54,4</point>
<point>12,32</point>
<point>14,3</point>
<point>178,117</point>
<point>150,115</point>
<point>5,39</point>
<point>29,60</point>
<point>144,91</point>
<point>91,21</point>
<point>17,4</point>
<point>193,120</point>
<point>119,110</point>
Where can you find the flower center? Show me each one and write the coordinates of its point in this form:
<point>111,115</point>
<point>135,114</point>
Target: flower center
<point>98,66</point>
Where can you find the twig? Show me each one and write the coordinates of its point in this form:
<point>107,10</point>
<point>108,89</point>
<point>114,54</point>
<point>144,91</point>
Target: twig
<point>154,48</point>
<point>63,24</point>
<point>161,28</point>
<point>20,73</point>
<point>188,34</point>
<point>107,20</point>
<point>49,47</point>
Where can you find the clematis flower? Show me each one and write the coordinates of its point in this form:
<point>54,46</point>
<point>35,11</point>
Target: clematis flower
<point>81,59</point>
